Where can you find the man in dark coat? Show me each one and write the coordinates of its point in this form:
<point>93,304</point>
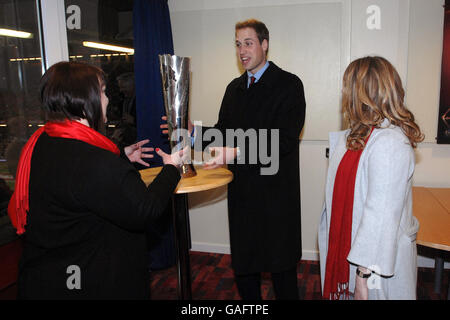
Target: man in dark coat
<point>263,206</point>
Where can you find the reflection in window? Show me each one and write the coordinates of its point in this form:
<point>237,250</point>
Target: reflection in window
<point>20,72</point>
<point>101,33</point>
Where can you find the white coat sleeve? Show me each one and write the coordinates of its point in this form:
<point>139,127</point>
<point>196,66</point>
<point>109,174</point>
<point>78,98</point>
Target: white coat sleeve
<point>389,167</point>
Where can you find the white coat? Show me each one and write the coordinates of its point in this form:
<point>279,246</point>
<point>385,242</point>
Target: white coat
<point>383,226</point>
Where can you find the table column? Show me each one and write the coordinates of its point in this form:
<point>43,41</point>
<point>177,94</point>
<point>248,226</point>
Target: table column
<point>183,245</point>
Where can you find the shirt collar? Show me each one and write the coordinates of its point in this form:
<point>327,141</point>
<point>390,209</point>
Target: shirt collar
<point>258,74</point>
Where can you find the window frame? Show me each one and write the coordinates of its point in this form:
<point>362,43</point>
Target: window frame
<point>53,32</point>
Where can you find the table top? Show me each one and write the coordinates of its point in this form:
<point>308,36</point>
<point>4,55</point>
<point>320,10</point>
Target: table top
<point>204,180</point>
<point>443,196</point>
<point>431,208</point>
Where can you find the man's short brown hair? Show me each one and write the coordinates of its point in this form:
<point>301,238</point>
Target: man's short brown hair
<point>260,28</point>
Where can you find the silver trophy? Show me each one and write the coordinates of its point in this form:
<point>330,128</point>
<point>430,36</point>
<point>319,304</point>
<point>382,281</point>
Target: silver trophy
<point>175,74</point>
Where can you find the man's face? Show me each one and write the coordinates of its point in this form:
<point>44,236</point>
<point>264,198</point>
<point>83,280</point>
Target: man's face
<point>251,53</point>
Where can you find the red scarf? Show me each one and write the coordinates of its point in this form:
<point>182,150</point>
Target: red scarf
<point>339,243</point>
<point>19,203</point>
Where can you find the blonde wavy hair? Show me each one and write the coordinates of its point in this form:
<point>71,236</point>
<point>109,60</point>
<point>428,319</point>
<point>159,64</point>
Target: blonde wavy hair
<point>372,91</point>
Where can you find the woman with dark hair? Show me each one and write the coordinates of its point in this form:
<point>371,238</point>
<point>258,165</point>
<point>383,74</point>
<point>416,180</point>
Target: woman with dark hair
<point>367,235</point>
<point>80,203</point>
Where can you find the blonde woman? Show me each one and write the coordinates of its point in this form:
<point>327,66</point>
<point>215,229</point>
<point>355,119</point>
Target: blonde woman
<point>367,231</point>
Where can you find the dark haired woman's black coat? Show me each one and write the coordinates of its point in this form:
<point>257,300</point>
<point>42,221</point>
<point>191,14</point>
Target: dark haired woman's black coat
<point>84,235</point>
<point>264,210</point>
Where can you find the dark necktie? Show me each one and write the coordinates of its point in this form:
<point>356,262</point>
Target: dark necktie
<point>252,81</point>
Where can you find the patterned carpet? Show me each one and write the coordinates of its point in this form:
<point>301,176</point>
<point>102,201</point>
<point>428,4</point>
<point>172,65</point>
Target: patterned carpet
<point>212,279</point>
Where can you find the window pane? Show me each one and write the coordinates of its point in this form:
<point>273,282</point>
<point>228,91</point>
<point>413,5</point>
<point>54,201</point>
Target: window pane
<point>20,73</point>
<point>107,22</point>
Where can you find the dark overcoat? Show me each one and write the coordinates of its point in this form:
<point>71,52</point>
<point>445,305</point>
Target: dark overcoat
<point>264,210</point>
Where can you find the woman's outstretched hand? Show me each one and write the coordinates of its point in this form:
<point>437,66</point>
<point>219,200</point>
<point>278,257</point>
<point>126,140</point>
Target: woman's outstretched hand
<point>135,152</point>
<point>174,159</point>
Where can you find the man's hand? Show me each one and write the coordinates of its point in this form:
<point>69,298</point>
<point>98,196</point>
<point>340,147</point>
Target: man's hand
<point>136,152</point>
<point>165,126</point>
<point>222,155</point>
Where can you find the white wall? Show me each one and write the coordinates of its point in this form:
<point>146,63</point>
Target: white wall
<point>308,38</point>
<point>390,41</point>
<point>423,89</point>
<point>424,64</point>
<point>410,37</point>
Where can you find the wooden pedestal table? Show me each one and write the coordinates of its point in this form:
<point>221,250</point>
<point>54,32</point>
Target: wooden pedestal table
<point>204,180</point>
<point>431,206</point>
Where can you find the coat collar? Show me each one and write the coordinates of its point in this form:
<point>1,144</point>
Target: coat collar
<point>337,144</point>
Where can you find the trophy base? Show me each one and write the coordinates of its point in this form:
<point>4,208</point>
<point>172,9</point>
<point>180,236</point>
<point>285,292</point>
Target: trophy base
<point>187,170</point>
